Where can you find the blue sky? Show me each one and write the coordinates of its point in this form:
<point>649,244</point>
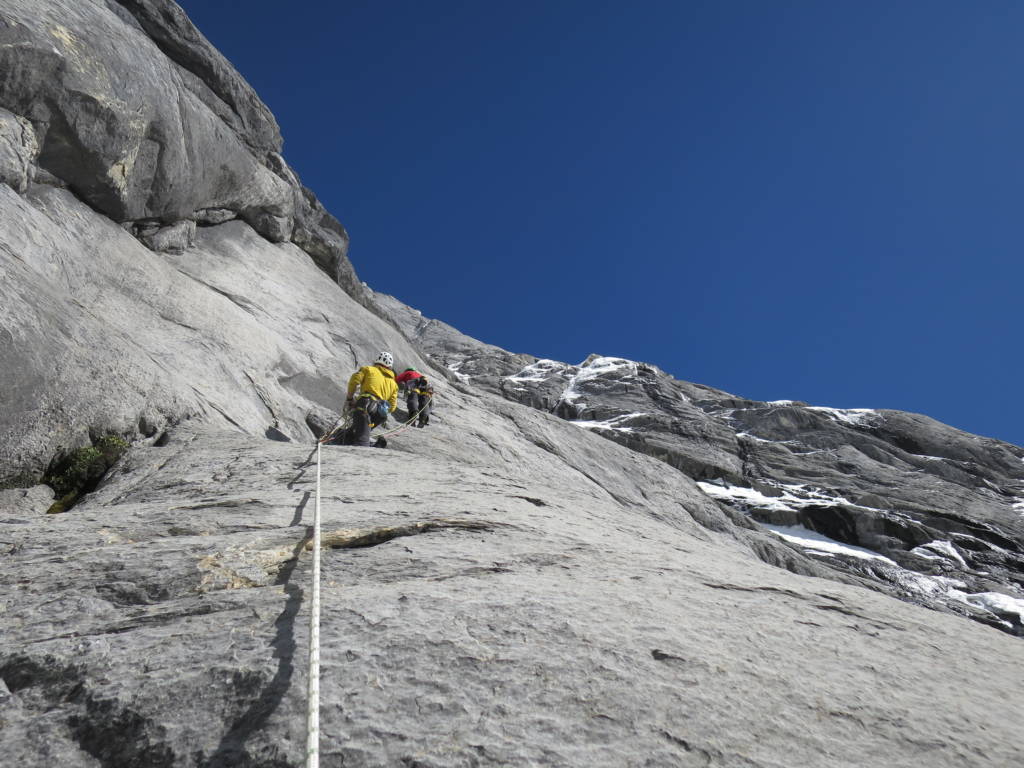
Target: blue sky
<point>806,200</point>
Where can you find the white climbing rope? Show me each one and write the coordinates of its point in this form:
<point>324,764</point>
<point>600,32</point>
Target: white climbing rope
<point>313,712</point>
<point>313,675</point>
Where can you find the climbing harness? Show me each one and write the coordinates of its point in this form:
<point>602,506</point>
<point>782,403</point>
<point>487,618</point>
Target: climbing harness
<point>313,677</point>
<point>344,422</point>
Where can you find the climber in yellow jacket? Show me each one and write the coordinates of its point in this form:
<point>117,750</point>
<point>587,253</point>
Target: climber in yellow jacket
<point>372,395</point>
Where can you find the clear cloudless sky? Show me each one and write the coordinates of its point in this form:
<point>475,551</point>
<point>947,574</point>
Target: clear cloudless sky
<point>802,199</point>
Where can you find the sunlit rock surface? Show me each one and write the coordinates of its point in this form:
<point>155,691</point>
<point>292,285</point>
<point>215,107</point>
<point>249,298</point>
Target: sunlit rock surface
<point>505,587</point>
<point>932,512</point>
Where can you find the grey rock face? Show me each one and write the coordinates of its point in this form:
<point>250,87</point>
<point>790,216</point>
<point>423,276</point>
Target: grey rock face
<point>235,103</point>
<point>18,150</point>
<point>211,216</point>
<point>144,146</point>
<point>488,603</point>
<point>24,501</point>
<point>176,238</point>
<point>98,334</point>
<point>503,588</point>
<point>144,120</point>
<point>939,511</point>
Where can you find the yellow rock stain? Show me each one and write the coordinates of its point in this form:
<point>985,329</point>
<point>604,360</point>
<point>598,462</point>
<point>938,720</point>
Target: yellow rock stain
<point>64,36</point>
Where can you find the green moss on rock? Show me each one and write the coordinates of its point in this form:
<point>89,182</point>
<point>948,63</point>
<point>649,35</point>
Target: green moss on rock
<point>80,472</point>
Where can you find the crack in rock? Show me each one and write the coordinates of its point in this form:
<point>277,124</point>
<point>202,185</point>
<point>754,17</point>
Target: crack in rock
<point>743,588</point>
<point>225,503</point>
<point>535,502</point>
<point>243,568</point>
<point>352,538</point>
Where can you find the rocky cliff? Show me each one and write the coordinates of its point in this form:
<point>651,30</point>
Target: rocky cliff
<point>925,511</point>
<point>566,568</point>
<point>138,164</point>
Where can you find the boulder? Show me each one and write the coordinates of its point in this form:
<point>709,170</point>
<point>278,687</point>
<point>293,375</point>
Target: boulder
<point>176,238</point>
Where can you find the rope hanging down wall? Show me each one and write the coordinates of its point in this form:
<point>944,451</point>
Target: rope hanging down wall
<point>313,673</point>
<point>313,678</point>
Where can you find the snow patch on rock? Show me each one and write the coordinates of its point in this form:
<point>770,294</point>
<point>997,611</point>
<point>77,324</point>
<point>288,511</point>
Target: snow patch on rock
<point>593,368</point>
<point>748,497</point>
<point>793,497</point>
<point>808,539</point>
<point>455,367</point>
<point>539,371</point>
<point>852,416</point>
<point>755,438</point>
<point>613,423</point>
<point>994,602</point>
<point>940,550</point>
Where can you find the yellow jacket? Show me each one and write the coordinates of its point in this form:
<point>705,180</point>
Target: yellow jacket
<point>375,380</point>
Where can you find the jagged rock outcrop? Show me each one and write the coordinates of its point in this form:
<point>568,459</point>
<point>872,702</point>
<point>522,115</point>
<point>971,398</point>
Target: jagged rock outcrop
<point>939,512</point>
<point>504,587</point>
<point>137,114</point>
<point>18,150</point>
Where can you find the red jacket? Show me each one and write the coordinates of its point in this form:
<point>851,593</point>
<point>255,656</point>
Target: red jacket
<point>402,378</point>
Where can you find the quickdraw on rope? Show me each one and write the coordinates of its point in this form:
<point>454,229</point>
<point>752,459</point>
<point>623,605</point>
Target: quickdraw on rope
<point>313,677</point>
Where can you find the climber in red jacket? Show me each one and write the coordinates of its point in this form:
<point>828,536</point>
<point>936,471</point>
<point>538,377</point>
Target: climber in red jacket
<point>419,395</point>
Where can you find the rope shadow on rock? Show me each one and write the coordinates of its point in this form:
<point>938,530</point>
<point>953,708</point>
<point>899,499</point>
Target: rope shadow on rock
<point>299,509</point>
<point>232,751</point>
<point>302,468</point>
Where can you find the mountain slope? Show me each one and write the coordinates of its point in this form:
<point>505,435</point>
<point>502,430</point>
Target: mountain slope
<point>932,513</point>
<point>505,587</point>
<point>547,618</point>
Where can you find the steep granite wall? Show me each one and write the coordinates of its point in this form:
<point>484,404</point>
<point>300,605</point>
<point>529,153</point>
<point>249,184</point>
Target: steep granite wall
<point>135,112</point>
<point>927,510</point>
<point>505,587</point>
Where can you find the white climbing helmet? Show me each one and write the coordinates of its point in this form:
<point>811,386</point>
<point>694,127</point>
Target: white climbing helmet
<point>385,358</point>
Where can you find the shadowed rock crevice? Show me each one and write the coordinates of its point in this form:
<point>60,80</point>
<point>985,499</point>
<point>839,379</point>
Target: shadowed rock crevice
<point>535,502</point>
<point>80,472</point>
<point>118,737</point>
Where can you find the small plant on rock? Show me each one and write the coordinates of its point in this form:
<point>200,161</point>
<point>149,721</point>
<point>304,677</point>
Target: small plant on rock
<point>81,471</point>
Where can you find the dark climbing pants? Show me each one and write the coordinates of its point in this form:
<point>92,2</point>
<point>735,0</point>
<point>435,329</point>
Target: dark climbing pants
<point>417,403</point>
<point>359,432</point>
